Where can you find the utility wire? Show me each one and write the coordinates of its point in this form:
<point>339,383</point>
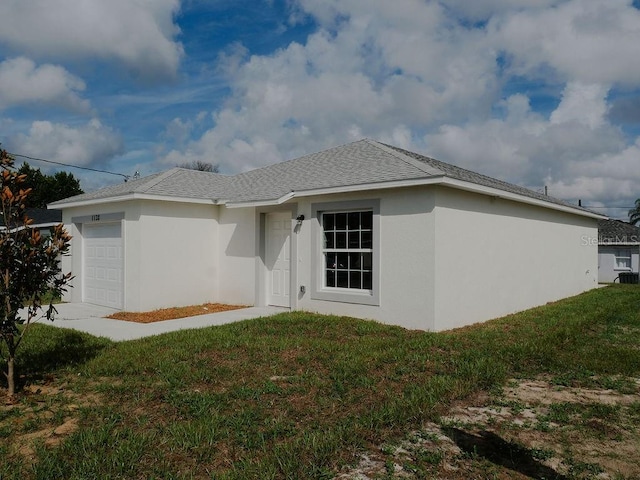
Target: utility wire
<point>126,177</point>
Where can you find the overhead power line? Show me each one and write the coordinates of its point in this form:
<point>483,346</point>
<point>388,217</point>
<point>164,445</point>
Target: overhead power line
<point>126,177</point>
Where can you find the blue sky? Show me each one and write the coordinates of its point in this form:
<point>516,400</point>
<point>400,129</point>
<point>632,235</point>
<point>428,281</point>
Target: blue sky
<point>535,92</point>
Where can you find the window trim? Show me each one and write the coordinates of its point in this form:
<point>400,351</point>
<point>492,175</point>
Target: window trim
<point>336,294</point>
<point>618,254</point>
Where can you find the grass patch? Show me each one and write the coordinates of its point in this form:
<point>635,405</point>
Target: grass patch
<point>49,297</point>
<point>296,395</point>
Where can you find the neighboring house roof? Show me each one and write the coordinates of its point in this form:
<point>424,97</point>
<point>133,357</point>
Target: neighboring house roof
<point>41,217</point>
<point>44,217</point>
<point>361,165</point>
<point>617,232</point>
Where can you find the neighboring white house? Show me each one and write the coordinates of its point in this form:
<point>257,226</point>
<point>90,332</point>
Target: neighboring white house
<point>42,219</point>
<point>618,249</point>
<point>365,229</point>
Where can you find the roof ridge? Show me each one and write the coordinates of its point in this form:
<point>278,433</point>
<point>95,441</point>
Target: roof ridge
<point>156,180</point>
<point>317,152</point>
<point>423,166</point>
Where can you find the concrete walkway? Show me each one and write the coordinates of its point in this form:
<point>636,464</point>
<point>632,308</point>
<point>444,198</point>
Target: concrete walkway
<point>91,319</point>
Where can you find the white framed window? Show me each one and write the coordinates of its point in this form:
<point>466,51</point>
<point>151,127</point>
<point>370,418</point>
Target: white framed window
<point>623,259</point>
<point>348,249</point>
<point>346,243</point>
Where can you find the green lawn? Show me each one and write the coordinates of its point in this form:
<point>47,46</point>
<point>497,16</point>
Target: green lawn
<point>292,396</point>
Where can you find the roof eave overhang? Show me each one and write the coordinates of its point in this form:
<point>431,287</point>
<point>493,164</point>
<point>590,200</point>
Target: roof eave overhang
<point>35,226</point>
<point>604,243</point>
<point>130,197</point>
<point>431,180</point>
<point>45,224</point>
<point>434,180</point>
<point>334,190</point>
<point>497,193</point>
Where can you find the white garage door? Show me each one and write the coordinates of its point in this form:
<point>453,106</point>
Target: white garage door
<point>103,265</point>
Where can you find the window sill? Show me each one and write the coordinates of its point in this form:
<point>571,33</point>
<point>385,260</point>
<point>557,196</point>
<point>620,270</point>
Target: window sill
<point>345,295</point>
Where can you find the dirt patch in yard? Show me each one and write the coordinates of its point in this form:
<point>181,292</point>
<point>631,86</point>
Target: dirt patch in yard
<point>174,312</point>
<point>42,415</point>
<point>534,429</point>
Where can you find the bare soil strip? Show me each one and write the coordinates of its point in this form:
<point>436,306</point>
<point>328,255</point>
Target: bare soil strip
<point>174,312</point>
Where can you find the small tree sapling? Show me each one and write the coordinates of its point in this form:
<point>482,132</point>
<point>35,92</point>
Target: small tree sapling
<point>29,267</point>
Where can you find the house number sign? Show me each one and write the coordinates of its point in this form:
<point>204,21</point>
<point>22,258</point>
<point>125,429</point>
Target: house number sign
<point>99,217</point>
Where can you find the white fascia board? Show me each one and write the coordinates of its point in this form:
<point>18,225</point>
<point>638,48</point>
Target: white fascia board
<point>371,186</point>
<point>45,225</point>
<point>333,190</point>
<point>88,202</point>
<point>168,198</point>
<point>37,226</point>
<point>617,244</point>
<point>495,192</point>
<point>128,197</point>
<point>260,203</point>
<point>435,180</point>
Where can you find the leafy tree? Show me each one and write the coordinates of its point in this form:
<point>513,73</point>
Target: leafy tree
<point>634,214</point>
<point>29,266</point>
<point>48,188</point>
<point>201,166</point>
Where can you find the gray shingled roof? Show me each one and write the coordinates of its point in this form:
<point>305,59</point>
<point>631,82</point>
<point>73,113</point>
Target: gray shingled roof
<point>616,231</point>
<point>364,162</point>
<point>177,182</point>
<point>357,163</point>
<point>185,183</point>
<point>459,173</point>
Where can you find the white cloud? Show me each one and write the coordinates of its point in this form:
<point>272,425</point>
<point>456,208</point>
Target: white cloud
<point>576,158</point>
<point>138,33</point>
<point>479,10</point>
<point>422,75</point>
<point>178,131</point>
<point>493,147</point>
<point>357,78</point>
<point>24,82</point>
<point>87,145</point>
<point>582,103</point>
<point>580,40</point>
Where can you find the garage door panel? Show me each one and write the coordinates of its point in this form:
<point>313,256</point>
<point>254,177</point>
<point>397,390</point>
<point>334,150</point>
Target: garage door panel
<point>112,275</point>
<point>103,265</point>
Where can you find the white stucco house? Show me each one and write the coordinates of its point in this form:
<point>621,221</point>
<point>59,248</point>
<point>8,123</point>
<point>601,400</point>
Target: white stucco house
<point>365,229</point>
<point>618,250</point>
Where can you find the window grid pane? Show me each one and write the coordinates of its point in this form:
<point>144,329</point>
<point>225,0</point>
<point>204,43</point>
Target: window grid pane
<point>348,244</point>
<point>623,259</point>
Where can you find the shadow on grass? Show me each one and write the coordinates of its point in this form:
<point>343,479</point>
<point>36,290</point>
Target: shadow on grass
<point>495,449</point>
<point>46,349</point>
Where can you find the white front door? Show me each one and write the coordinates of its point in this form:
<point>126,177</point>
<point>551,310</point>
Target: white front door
<point>103,264</point>
<point>278,258</point>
